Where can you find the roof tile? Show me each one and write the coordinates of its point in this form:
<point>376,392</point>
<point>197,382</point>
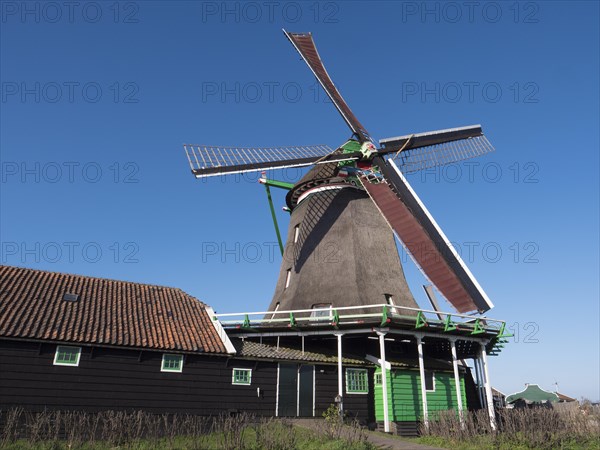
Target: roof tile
<point>111,312</point>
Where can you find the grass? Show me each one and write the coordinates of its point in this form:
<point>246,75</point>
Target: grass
<point>137,430</point>
<point>537,428</point>
<point>520,429</point>
<point>499,443</point>
<point>307,440</point>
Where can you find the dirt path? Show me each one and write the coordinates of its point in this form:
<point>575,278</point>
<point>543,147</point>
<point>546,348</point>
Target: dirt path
<point>382,441</point>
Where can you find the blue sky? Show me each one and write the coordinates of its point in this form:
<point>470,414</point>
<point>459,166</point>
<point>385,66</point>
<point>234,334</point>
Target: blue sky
<point>97,101</point>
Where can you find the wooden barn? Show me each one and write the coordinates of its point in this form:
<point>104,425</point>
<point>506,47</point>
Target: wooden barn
<point>71,342</point>
<point>81,343</point>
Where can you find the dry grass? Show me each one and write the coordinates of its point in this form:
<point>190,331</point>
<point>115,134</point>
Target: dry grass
<point>540,428</point>
<point>337,427</point>
<point>115,428</point>
<point>275,434</point>
<point>57,430</point>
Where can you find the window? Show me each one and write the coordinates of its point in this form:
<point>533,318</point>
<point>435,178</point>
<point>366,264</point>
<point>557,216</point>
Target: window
<point>68,297</point>
<point>67,356</point>
<point>356,381</point>
<point>378,379</point>
<point>429,381</point>
<point>296,233</point>
<point>390,301</point>
<point>288,275</point>
<point>172,363</point>
<point>275,310</point>
<point>321,310</point>
<point>241,376</point>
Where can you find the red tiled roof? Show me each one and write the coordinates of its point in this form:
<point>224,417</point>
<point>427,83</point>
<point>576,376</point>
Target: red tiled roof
<point>565,398</point>
<point>108,312</point>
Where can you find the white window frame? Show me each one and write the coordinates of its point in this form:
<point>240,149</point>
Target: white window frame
<point>58,349</point>
<point>380,377</point>
<point>321,311</point>
<point>351,369</point>
<point>296,233</point>
<point>275,310</point>
<point>162,364</point>
<point>432,380</point>
<point>389,299</point>
<point>241,369</point>
<point>288,276</point>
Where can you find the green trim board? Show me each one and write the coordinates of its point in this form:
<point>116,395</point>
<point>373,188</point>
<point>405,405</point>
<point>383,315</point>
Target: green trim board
<point>404,395</point>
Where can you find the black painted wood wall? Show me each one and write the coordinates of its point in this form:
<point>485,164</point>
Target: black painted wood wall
<point>108,378</point>
<point>360,406</point>
<point>120,379</point>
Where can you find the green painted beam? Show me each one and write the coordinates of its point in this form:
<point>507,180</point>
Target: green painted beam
<point>449,325</point>
<point>336,319</point>
<point>277,184</point>
<point>384,317</point>
<point>274,218</point>
<point>478,329</point>
<point>421,320</point>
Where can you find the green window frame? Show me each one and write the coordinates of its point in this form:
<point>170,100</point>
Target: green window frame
<point>357,381</point>
<point>171,363</point>
<point>67,356</point>
<point>241,376</point>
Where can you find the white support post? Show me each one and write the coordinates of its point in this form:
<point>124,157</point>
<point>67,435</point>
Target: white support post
<point>386,414</point>
<point>340,373</point>
<point>488,387</point>
<point>457,384</point>
<point>422,376</point>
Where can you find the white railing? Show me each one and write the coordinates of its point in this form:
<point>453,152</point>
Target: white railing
<point>344,316</point>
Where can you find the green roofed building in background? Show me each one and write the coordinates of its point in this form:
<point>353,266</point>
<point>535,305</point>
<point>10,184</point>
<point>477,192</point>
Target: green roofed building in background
<point>532,394</point>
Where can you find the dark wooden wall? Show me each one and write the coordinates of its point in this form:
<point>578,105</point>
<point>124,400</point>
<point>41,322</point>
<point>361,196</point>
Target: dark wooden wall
<point>361,406</point>
<point>118,379</point>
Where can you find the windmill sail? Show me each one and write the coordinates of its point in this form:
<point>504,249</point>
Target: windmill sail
<point>425,241</point>
<point>303,42</point>
<point>328,209</point>
<point>206,161</point>
<point>436,148</point>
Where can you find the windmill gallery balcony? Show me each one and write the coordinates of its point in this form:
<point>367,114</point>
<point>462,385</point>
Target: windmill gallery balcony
<point>410,337</point>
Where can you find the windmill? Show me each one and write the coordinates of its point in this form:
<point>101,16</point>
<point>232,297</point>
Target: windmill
<point>340,248</point>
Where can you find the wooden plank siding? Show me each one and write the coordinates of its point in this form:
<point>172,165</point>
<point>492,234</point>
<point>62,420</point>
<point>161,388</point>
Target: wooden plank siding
<point>109,378</point>
<point>360,406</point>
<point>121,379</point>
<point>404,395</point>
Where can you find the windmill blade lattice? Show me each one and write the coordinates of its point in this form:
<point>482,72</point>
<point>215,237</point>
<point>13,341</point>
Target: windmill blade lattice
<point>436,148</point>
<point>206,161</point>
<point>422,158</point>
